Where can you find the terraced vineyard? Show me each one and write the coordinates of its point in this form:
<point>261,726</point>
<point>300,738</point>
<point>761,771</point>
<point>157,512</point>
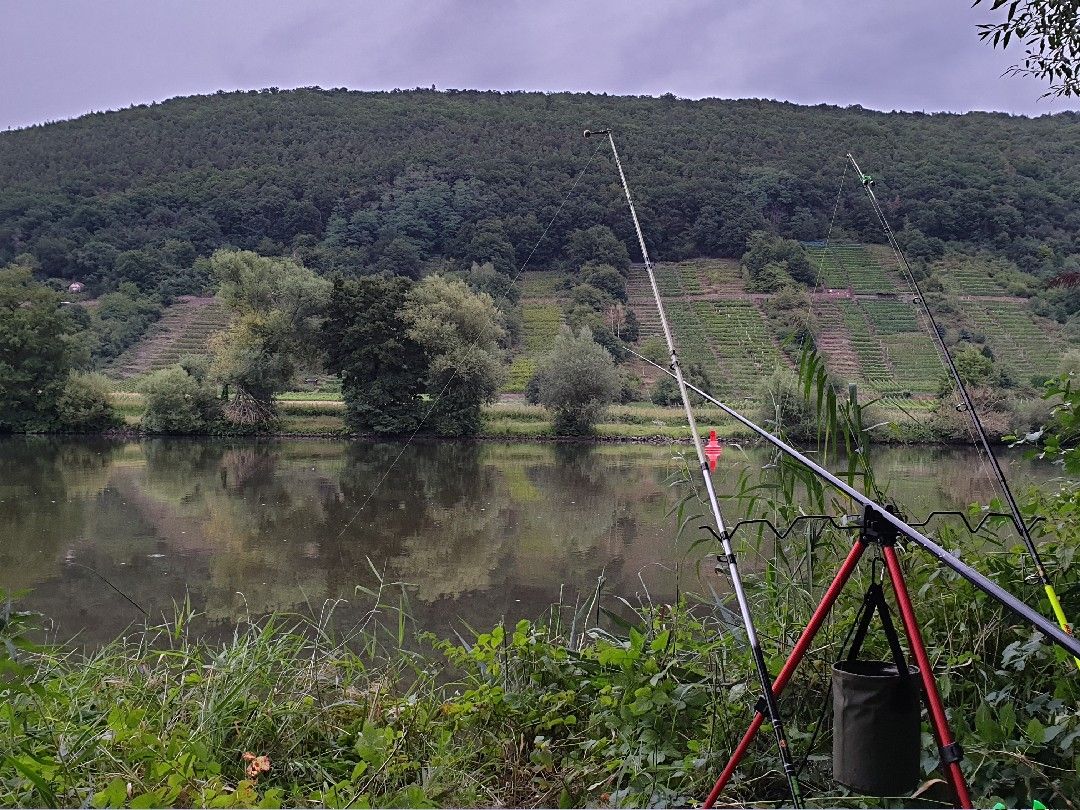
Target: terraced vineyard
<point>521,370</point>
<point>849,266</point>
<point>1028,345</point>
<point>185,328</point>
<point>873,366</point>
<point>968,278</point>
<point>742,343</point>
<point>693,342</point>
<point>539,325</point>
<point>539,283</point>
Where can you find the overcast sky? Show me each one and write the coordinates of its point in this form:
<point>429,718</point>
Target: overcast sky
<point>62,58</point>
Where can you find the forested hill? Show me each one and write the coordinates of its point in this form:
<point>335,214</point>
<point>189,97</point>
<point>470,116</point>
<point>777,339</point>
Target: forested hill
<point>353,181</point>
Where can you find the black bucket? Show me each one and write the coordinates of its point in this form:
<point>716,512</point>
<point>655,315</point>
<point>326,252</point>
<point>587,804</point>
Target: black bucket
<point>876,727</point>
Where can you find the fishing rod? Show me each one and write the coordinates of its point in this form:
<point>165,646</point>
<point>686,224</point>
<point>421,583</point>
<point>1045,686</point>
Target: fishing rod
<point>768,698</point>
<point>967,405</point>
<point>1048,629</point>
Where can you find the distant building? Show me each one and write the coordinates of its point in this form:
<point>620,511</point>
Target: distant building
<point>76,287</point>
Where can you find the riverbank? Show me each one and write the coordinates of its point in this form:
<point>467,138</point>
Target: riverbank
<point>640,712</point>
<point>302,414</point>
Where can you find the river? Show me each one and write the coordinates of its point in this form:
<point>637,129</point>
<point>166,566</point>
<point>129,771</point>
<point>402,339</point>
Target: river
<point>477,531</point>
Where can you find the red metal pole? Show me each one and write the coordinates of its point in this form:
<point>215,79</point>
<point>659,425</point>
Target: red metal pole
<point>935,708</point>
<point>847,568</point>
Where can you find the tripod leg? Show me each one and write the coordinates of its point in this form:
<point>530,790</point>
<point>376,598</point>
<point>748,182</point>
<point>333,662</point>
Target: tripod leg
<point>935,708</point>
<point>797,654</point>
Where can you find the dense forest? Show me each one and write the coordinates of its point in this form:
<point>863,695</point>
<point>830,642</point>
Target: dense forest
<point>406,181</point>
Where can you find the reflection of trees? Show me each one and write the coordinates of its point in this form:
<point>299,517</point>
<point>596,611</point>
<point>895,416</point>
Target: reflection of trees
<point>432,520</point>
<point>251,520</point>
<point>282,521</point>
<point>43,481</point>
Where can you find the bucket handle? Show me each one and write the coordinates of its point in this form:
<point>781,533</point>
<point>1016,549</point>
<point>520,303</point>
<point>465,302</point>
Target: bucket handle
<point>875,600</point>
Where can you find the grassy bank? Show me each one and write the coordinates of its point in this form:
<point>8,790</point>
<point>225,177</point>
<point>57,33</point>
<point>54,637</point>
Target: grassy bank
<point>306,414</point>
<point>578,708</point>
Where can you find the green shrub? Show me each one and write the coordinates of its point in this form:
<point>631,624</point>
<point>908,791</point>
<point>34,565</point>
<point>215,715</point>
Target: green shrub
<point>178,402</point>
<point>783,407</point>
<point>577,380</point>
<point>83,406</point>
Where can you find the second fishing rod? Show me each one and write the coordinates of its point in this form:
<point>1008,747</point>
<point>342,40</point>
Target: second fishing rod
<point>768,704</point>
<point>966,404</point>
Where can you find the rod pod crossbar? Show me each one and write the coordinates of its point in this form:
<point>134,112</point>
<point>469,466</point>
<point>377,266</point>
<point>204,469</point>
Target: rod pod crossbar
<point>770,706</point>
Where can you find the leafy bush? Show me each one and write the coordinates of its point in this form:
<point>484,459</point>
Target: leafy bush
<point>577,380</point>
<point>769,259</point>
<point>666,390</point>
<point>84,406</point>
<point>784,409</point>
<point>178,402</point>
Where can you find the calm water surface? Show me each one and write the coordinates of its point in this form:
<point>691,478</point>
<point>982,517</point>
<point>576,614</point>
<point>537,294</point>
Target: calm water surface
<point>479,531</point>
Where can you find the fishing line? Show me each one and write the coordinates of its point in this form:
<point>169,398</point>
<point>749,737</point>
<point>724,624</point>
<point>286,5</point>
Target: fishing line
<point>968,405</point>
<point>106,580</point>
<point>454,371</point>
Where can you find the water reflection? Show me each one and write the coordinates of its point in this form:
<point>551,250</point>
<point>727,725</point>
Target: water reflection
<point>478,531</point>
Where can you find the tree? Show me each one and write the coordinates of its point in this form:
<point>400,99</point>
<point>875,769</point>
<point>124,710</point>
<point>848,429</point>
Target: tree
<point>975,368</point>
<point>39,348</point>
<point>1050,33</point>
<point>577,380</point>
<point>597,244</point>
<point>277,306</point>
<point>461,335</point>
<point>764,249</point>
<point>365,339</point>
<point>84,407</point>
<point>606,278</point>
<point>666,390</point>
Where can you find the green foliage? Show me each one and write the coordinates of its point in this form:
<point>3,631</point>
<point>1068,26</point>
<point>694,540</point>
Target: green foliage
<point>791,317</point>
<point>354,182</point>
<point>83,406</point>
<point>784,408</point>
<point>666,390</point>
<point>121,318</point>
<point>39,346</point>
<point>365,339</point>
<point>461,335</point>
<point>605,277</point>
<point>1048,31</point>
<point>771,261</point>
<point>975,368</point>
<point>178,401</point>
<point>597,245</point>
<point>655,349</point>
<point>577,380</point>
<point>277,306</point>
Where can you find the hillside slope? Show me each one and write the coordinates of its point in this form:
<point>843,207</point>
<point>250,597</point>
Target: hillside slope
<point>394,180</point>
<point>185,328</point>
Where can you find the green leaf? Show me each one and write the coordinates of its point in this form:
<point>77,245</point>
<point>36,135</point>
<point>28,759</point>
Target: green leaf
<point>1035,730</point>
<point>114,795</point>
<point>144,800</point>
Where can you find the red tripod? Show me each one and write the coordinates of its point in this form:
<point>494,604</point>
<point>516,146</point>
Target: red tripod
<point>874,531</point>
